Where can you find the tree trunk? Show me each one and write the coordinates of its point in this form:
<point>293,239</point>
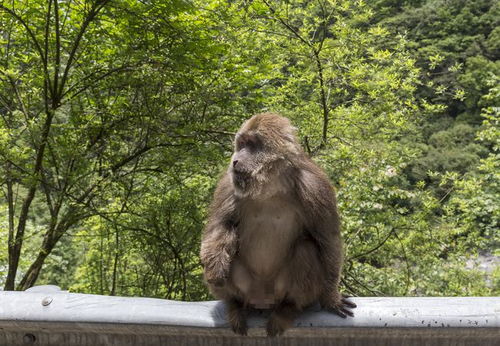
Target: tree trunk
<point>323,100</point>
<point>115,264</point>
<point>51,238</point>
<point>9,284</point>
<point>15,248</point>
<point>31,275</point>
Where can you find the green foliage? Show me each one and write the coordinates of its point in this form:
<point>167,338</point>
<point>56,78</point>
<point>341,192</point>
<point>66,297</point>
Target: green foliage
<point>450,41</point>
<point>475,206</point>
<point>152,249</point>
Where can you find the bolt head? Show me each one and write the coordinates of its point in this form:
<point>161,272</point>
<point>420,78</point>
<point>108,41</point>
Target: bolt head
<point>29,339</point>
<point>46,301</point>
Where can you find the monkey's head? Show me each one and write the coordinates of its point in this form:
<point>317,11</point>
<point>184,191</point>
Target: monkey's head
<point>263,147</point>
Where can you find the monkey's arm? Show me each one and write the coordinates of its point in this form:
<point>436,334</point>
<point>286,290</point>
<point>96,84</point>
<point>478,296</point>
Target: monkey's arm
<point>320,206</point>
<point>219,241</point>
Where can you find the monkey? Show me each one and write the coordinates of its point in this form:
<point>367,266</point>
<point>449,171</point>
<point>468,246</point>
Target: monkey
<point>272,238</point>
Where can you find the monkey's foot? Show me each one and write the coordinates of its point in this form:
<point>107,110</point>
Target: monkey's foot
<point>239,326</point>
<point>281,318</point>
<point>341,307</point>
<point>348,302</point>
<point>216,276</point>
<point>217,282</point>
<point>236,315</point>
<point>275,326</point>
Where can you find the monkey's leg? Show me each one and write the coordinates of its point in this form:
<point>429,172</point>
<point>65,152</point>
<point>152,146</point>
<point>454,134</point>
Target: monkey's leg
<point>282,318</point>
<point>237,316</point>
<point>303,278</point>
<point>236,286</point>
<point>240,278</point>
<point>330,298</point>
<point>296,286</point>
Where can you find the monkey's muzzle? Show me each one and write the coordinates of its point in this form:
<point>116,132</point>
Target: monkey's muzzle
<point>240,178</point>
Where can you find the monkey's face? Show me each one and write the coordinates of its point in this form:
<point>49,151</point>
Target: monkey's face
<point>254,164</point>
<point>248,160</point>
<point>262,148</point>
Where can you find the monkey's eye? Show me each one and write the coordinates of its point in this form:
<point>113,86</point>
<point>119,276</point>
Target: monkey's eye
<point>249,142</point>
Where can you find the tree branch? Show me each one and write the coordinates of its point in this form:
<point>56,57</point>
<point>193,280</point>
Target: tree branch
<point>57,62</point>
<point>94,81</point>
<point>288,26</point>
<point>30,33</point>
<point>94,11</point>
<point>47,85</point>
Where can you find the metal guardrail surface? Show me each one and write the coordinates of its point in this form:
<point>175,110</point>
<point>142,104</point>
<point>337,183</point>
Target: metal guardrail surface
<point>45,315</point>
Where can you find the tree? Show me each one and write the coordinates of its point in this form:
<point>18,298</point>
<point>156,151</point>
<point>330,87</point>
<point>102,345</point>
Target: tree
<point>83,105</point>
<point>452,42</point>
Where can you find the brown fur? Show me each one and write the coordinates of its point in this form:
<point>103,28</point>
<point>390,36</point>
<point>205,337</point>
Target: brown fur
<point>272,239</point>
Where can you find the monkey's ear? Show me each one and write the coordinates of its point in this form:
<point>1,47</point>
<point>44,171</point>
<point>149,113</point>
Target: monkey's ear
<point>292,148</point>
<point>291,136</point>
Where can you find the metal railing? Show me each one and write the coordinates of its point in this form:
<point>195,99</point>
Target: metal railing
<point>45,315</point>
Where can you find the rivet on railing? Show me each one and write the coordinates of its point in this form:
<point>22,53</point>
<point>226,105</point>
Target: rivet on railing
<point>29,339</point>
<point>46,301</point>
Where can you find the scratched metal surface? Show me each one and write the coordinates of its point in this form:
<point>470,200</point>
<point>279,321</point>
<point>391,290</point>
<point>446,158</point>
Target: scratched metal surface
<point>47,316</point>
<point>48,303</point>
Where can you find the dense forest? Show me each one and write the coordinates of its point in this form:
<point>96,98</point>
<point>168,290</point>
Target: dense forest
<point>117,118</point>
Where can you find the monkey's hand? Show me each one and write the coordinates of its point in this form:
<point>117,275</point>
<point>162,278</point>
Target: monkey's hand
<point>217,274</point>
<point>218,249</point>
<point>337,304</point>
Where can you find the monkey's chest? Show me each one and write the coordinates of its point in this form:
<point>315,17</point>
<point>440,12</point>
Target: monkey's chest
<point>267,232</point>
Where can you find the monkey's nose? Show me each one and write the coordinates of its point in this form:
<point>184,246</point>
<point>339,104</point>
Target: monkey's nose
<point>235,162</point>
